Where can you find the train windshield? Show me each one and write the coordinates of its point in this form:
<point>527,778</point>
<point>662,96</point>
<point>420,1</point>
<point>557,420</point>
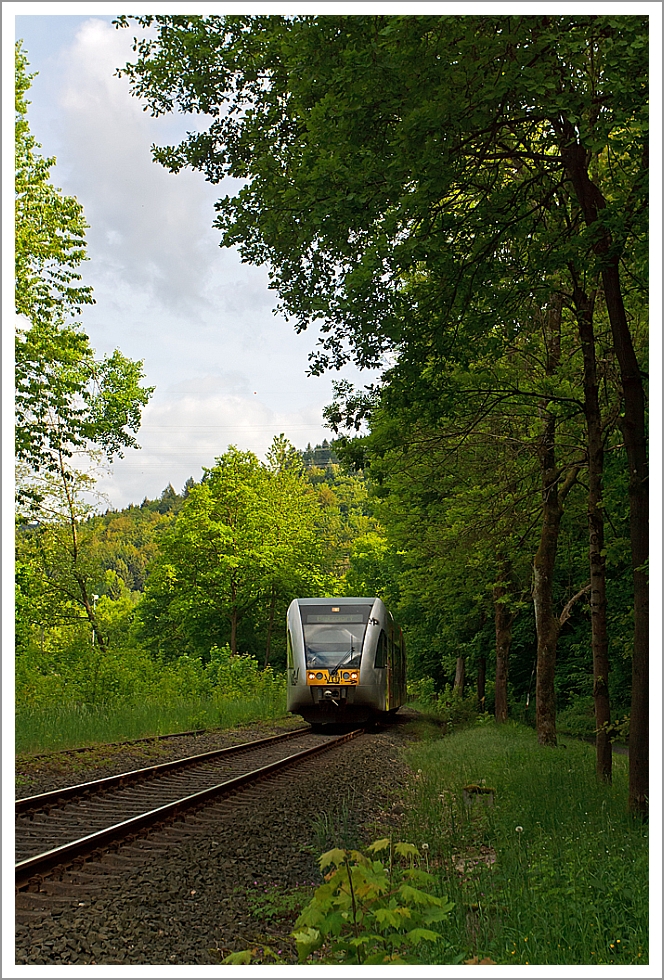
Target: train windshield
<point>333,635</point>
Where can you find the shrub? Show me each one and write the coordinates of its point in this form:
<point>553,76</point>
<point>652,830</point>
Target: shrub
<point>422,691</point>
<point>578,719</point>
<point>369,912</point>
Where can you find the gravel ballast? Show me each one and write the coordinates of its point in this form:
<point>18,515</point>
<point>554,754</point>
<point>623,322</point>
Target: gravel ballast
<point>220,880</point>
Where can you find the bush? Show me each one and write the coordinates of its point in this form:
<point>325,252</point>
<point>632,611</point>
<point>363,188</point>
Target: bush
<point>73,693</point>
<point>453,710</point>
<point>422,691</point>
<point>577,720</point>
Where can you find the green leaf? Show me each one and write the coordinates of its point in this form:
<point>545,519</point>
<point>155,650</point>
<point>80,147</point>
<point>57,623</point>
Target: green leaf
<point>418,935</point>
<point>336,856</point>
<point>364,938</point>
<point>333,923</point>
<point>418,897</point>
<point>243,957</point>
<point>392,917</point>
<point>418,874</point>
<point>437,915</point>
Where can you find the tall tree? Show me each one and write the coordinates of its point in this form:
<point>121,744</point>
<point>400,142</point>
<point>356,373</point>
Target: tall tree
<point>67,400</point>
<point>63,548</point>
<point>583,305</point>
<point>50,227</point>
<point>246,538</point>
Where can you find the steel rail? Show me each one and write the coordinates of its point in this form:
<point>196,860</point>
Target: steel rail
<point>41,863</point>
<point>53,797</point>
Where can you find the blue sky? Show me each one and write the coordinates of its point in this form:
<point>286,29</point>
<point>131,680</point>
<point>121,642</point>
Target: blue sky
<point>226,369</point>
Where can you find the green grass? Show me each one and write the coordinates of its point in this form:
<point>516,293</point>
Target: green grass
<point>73,726</point>
<point>555,872</point>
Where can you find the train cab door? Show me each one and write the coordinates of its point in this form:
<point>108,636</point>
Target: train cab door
<point>382,663</point>
<point>292,671</point>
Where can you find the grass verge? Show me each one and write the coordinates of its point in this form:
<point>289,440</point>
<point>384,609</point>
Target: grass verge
<point>548,868</point>
<point>73,726</point>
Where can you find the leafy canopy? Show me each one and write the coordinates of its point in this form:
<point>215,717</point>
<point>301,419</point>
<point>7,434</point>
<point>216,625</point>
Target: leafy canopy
<point>378,153</point>
<point>67,399</point>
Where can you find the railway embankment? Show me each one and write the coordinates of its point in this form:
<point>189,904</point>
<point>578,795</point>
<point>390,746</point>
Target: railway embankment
<point>542,862</point>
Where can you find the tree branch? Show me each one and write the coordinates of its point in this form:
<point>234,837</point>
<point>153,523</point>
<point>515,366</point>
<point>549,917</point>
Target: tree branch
<point>567,611</point>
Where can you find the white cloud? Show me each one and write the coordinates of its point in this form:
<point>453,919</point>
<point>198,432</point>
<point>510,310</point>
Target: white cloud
<point>150,227</point>
<point>191,428</point>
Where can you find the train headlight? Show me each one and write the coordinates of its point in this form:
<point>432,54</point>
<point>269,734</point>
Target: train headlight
<point>319,676</point>
<point>346,675</point>
<point>353,677</point>
<point>311,676</point>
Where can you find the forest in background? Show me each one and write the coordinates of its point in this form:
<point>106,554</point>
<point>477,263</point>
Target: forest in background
<point>178,580</point>
<point>462,201</point>
<point>163,592</point>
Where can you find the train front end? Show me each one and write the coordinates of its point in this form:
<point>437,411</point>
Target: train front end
<point>331,673</point>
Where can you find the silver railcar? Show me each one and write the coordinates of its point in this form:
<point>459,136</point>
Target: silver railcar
<point>346,660</point>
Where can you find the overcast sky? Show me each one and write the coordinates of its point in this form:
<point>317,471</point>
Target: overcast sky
<point>225,368</point>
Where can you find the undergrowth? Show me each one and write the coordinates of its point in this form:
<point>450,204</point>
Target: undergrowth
<point>547,869</point>
<point>74,726</point>
<point>123,700</point>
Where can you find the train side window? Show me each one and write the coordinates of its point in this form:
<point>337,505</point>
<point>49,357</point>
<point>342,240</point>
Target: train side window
<point>381,651</point>
<point>289,651</point>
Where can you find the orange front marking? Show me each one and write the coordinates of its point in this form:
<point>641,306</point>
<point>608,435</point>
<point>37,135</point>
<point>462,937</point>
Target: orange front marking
<point>323,677</point>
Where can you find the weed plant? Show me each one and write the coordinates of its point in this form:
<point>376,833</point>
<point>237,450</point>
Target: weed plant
<point>547,869</point>
<point>376,907</point>
<point>336,827</point>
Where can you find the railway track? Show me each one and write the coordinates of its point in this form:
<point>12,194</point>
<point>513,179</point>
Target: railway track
<point>57,828</point>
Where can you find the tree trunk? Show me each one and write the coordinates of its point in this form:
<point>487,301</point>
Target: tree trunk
<point>633,428</point>
<point>599,634</point>
<point>634,436</point>
<point>481,683</point>
<point>545,619</point>
<point>90,613</point>
<point>270,626</point>
<point>503,620</point>
<point>546,622</point>
<point>75,555</point>
<point>234,631</point>
<point>460,676</point>
<point>234,618</point>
